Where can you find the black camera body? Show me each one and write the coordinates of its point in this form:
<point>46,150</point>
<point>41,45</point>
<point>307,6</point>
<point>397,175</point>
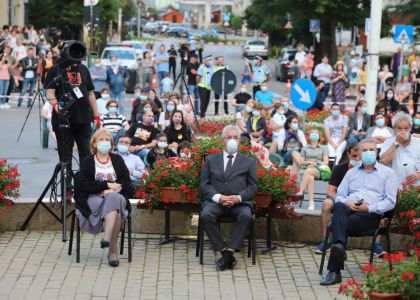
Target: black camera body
<point>72,52</point>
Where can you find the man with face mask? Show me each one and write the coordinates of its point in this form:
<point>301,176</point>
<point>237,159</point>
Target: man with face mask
<point>98,74</point>
<point>240,99</point>
<point>220,65</point>
<point>228,184</point>
<point>402,152</point>
<point>134,164</point>
<point>364,195</point>
<point>143,135</point>
<point>204,74</point>
<point>116,78</point>
<point>260,73</point>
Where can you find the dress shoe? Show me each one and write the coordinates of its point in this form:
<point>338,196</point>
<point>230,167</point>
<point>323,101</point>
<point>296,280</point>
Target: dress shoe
<point>331,278</point>
<point>221,264</point>
<point>337,253</point>
<point>104,244</point>
<point>113,263</point>
<point>232,262</point>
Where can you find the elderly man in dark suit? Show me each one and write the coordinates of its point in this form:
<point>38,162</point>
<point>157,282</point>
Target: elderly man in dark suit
<point>228,184</point>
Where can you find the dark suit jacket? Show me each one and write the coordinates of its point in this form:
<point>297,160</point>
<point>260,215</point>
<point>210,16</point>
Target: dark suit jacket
<point>242,180</point>
<point>365,123</point>
<point>85,183</point>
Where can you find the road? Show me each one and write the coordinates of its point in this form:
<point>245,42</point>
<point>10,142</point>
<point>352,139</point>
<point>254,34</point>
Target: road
<point>37,164</point>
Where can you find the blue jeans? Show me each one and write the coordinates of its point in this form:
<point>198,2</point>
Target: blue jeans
<point>160,76</point>
<point>120,97</point>
<point>4,86</point>
<point>142,154</point>
<point>325,91</point>
<point>27,81</point>
<point>193,90</point>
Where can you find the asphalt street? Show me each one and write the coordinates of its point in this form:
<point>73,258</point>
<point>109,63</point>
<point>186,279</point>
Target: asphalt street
<point>36,164</point>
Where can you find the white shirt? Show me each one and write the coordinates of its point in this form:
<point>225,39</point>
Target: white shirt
<point>323,68</point>
<point>216,197</point>
<point>300,57</point>
<point>406,161</point>
<point>381,132</point>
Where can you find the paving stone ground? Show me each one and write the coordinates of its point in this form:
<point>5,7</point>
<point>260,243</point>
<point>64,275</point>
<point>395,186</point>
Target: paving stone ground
<point>35,265</point>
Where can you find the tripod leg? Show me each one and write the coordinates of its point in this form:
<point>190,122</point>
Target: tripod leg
<point>64,200</point>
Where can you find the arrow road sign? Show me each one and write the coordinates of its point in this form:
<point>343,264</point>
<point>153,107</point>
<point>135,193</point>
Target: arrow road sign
<point>303,94</point>
<point>403,34</point>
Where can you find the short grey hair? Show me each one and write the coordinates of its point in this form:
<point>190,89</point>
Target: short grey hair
<point>402,116</point>
<point>229,128</point>
<point>367,141</point>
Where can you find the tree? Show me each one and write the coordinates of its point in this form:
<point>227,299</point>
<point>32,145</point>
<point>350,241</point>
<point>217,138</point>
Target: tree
<point>270,16</point>
<point>236,22</point>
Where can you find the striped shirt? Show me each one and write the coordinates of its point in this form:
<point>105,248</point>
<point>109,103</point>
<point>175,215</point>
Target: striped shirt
<point>113,123</point>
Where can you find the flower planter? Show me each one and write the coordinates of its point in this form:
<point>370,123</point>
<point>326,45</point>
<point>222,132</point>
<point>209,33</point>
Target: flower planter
<point>263,200</point>
<point>177,196</point>
<point>379,296</point>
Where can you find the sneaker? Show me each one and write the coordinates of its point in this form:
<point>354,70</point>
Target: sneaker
<point>318,249</point>
<point>378,249</point>
<point>6,106</point>
<point>311,206</point>
<point>1,106</point>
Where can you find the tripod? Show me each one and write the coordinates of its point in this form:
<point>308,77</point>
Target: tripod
<point>184,84</point>
<point>59,184</point>
<point>39,97</point>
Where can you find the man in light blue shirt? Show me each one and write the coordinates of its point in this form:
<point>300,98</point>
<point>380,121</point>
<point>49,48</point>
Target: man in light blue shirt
<point>260,73</point>
<point>364,195</point>
<point>162,63</point>
<point>324,72</point>
<point>98,74</point>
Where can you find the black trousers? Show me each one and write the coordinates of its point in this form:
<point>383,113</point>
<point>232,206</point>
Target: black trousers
<point>241,213</point>
<point>11,88</point>
<point>204,95</point>
<point>172,67</point>
<point>255,89</point>
<point>79,133</point>
<point>416,100</point>
<point>216,104</point>
<point>200,55</point>
<point>345,222</point>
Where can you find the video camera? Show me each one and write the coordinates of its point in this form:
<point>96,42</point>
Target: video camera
<point>183,49</point>
<point>72,52</point>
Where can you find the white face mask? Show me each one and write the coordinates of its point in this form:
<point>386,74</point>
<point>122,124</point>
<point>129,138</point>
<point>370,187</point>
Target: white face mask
<point>232,146</point>
<point>243,90</point>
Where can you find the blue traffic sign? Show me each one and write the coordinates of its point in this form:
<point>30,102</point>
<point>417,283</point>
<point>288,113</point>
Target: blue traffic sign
<point>314,25</point>
<point>214,31</point>
<point>303,94</point>
<point>403,34</point>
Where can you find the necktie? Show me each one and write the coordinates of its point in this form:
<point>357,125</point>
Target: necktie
<point>228,169</point>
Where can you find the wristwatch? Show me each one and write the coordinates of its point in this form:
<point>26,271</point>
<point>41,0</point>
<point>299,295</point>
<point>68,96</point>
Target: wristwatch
<point>396,144</point>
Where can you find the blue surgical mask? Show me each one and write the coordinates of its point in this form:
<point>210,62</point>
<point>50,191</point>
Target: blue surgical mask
<point>147,109</point>
<point>368,157</point>
<point>355,163</point>
<point>122,148</point>
<point>143,97</point>
<point>113,110</point>
<point>137,95</point>
<point>98,65</point>
<point>294,126</point>
<point>255,113</point>
<point>249,109</point>
<point>114,63</point>
<point>264,88</point>
<point>243,90</point>
<point>314,137</point>
<point>416,122</point>
<point>286,105</point>
<point>170,108</point>
<point>335,112</point>
<point>380,122</point>
<point>104,147</point>
<point>365,110</point>
<point>162,144</point>
<point>281,112</point>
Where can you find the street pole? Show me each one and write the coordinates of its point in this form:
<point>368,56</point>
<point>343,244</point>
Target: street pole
<point>91,27</point>
<point>400,73</point>
<point>373,57</point>
<point>138,18</point>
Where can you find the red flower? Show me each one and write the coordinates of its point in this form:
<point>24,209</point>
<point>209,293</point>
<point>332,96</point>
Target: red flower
<point>370,268</point>
<point>408,275</point>
<point>416,235</point>
<point>152,185</point>
<point>183,187</point>
<point>164,174</point>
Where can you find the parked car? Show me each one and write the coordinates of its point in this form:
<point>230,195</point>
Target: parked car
<point>256,47</point>
<point>284,68</point>
<point>178,32</point>
<point>138,47</point>
<point>150,27</point>
<point>127,58</point>
<point>162,26</point>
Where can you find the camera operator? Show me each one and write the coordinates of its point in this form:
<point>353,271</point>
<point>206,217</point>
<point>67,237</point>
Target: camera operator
<point>66,82</point>
<point>184,54</point>
<point>172,60</point>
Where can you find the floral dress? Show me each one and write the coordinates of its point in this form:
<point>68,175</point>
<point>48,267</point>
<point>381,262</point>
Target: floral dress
<point>338,89</point>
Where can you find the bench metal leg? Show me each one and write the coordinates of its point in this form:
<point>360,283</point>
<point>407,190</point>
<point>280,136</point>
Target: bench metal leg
<point>73,216</point>
<point>129,246</point>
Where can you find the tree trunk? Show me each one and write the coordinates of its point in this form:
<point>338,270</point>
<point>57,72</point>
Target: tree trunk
<point>327,41</point>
